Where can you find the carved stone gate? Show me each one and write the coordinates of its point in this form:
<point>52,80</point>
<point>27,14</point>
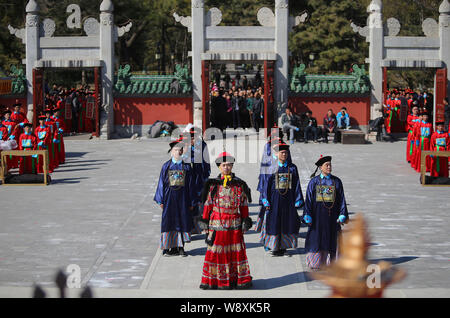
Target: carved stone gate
<point>95,50</point>
<point>266,44</point>
<point>389,51</point>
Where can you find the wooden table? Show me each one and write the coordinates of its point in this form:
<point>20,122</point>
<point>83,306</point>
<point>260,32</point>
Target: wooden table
<point>23,153</point>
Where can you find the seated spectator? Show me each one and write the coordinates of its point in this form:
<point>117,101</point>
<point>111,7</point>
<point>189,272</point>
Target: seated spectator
<point>330,126</point>
<point>343,119</point>
<point>289,122</point>
<point>310,126</point>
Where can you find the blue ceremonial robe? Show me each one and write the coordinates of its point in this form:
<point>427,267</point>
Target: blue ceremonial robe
<point>282,218</point>
<point>199,161</point>
<point>268,161</point>
<point>323,233</point>
<point>176,216</point>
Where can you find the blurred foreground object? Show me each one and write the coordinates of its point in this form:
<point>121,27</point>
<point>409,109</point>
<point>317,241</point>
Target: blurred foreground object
<point>351,275</point>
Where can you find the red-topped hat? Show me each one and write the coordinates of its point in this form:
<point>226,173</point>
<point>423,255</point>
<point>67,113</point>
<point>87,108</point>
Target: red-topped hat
<point>224,157</point>
<point>280,147</point>
<point>180,142</point>
<point>42,117</point>
<point>320,162</point>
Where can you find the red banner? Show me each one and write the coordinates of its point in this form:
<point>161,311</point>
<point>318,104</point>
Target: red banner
<point>90,107</point>
<point>68,108</point>
<point>440,93</point>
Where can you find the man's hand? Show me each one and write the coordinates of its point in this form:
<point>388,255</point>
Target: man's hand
<point>162,206</point>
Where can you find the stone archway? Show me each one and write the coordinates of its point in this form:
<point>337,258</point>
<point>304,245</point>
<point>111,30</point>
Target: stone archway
<point>95,50</point>
<point>387,50</point>
<point>268,42</point>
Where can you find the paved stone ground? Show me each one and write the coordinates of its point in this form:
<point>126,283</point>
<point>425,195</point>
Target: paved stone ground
<point>99,214</point>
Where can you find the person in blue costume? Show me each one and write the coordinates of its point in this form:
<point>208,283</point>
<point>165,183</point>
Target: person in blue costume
<point>175,194</point>
<point>268,161</point>
<point>325,212</point>
<point>198,158</point>
<point>281,198</point>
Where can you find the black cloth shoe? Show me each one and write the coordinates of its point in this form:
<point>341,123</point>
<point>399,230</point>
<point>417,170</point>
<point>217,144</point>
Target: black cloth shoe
<point>181,252</point>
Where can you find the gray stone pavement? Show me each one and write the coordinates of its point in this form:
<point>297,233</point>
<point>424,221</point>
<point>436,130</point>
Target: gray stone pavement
<point>99,214</point>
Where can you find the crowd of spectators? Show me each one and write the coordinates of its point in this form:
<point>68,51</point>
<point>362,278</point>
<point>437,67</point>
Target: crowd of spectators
<point>237,102</point>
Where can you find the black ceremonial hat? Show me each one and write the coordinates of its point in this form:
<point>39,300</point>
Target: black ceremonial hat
<point>322,160</point>
<point>179,142</point>
<point>280,147</point>
<point>224,157</point>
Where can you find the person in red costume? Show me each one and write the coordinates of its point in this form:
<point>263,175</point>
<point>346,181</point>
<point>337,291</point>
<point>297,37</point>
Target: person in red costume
<point>411,120</point>
<point>423,136</point>
<point>58,138</point>
<point>391,111</point>
<point>13,134</point>
<point>17,116</point>
<point>3,132</point>
<point>27,141</point>
<point>415,138</point>
<point>226,218</point>
<point>44,140</point>
<point>52,150</point>
<point>440,141</point>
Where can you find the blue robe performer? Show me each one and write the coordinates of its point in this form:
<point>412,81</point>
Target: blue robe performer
<point>268,162</point>
<point>281,198</point>
<point>324,213</point>
<point>176,197</point>
<point>201,168</point>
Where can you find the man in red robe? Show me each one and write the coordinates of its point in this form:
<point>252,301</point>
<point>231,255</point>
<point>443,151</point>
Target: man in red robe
<point>17,116</point>
<point>440,141</point>
<point>52,151</point>
<point>44,140</point>
<point>58,138</point>
<point>226,218</point>
<point>27,141</point>
<point>423,136</point>
<point>13,134</point>
<point>3,132</point>
<point>412,118</point>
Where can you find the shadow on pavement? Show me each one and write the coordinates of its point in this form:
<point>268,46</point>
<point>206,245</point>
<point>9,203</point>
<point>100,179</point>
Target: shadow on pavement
<point>395,260</point>
<point>68,180</point>
<point>75,154</point>
<point>277,282</point>
<point>74,170</point>
<point>196,251</point>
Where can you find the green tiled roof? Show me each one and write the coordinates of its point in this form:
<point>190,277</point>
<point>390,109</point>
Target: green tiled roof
<point>128,84</point>
<point>355,84</point>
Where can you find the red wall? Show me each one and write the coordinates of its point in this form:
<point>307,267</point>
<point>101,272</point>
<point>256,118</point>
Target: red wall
<point>357,107</point>
<point>130,111</point>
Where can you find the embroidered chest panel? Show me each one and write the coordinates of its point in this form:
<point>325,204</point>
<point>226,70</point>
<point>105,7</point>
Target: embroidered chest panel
<point>42,134</point>
<point>228,198</point>
<point>177,178</point>
<point>425,131</point>
<point>325,193</point>
<point>283,181</point>
<point>441,142</point>
<point>26,143</point>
